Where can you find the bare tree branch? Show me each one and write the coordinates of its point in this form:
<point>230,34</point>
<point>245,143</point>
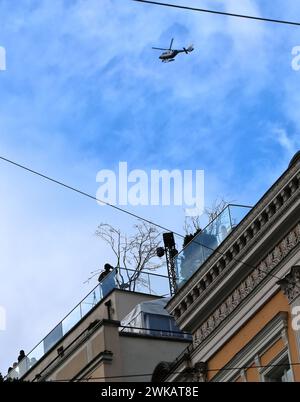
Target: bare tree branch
<point>136,252</point>
<point>216,208</point>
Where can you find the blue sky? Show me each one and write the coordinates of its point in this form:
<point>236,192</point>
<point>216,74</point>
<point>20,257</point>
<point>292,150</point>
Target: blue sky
<point>83,90</point>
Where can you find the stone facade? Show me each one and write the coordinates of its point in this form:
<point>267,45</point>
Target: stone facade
<point>240,286</point>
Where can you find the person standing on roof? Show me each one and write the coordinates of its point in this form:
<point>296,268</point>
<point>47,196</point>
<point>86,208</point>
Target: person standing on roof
<point>107,279</point>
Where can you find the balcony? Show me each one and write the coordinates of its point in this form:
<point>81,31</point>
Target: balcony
<point>117,279</point>
<point>197,251</point>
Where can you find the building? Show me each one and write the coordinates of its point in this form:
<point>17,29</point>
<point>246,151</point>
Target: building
<point>239,302</point>
<point>111,335</point>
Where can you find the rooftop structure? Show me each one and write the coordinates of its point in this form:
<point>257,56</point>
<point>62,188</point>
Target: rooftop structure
<point>147,285</point>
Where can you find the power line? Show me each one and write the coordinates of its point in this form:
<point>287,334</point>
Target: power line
<point>123,210</point>
<point>84,193</point>
<point>202,10</point>
<point>126,212</point>
<point>180,372</point>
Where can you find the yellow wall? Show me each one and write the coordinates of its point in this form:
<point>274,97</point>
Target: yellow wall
<point>274,350</point>
<point>276,304</point>
<point>71,368</point>
<point>252,374</point>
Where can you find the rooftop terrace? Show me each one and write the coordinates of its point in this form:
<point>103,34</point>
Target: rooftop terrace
<point>149,283</point>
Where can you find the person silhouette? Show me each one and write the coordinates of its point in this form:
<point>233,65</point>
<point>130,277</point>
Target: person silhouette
<point>21,356</point>
<point>107,279</point>
<point>23,363</point>
<point>107,269</point>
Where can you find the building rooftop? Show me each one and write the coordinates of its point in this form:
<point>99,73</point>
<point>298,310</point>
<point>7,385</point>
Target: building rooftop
<point>148,283</point>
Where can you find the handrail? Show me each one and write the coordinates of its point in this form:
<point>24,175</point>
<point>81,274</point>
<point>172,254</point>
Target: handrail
<point>98,294</point>
<point>124,327</point>
<point>210,223</point>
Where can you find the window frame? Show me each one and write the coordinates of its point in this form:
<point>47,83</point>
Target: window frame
<point>281,358</point>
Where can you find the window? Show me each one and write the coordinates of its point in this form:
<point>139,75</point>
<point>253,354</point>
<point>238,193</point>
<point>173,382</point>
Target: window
<point>160,325</point>
<point>281,372</point>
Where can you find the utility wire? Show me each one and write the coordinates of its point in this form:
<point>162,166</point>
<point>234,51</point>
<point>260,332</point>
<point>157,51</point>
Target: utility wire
<point>122,210</point>
<point>127,212</point>
<point>84,193</point>
<point>202,10</point>
<point>180,372</point>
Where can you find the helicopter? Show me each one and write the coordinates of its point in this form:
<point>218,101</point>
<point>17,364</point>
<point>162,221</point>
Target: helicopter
<point>169,54</point>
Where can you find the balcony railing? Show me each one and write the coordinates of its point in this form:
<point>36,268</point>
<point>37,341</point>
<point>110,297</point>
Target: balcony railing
<point>197,251</point>
<point>159,333</point>
<point>120,278</point>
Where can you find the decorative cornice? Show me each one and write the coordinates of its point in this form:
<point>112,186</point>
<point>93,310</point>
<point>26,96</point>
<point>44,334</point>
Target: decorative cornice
<point>196,373</point>
<point>238,296</point>
<point>256,224</point>
<point>249,284</point>
<point>290,285</point>
<point>295,159</point>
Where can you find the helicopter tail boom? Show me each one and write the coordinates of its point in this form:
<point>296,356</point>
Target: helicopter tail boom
<point>188,49</point>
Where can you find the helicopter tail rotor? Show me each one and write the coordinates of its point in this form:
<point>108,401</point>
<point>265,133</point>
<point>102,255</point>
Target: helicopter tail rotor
<point>188,49</point>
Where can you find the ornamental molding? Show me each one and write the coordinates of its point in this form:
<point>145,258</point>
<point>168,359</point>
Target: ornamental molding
<point>241,241</point>
<point>196,373</point>
<point>290,284</point>
<point>252,281</point>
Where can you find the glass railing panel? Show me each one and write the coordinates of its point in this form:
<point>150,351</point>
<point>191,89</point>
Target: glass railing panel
<point>13,374</point>
<point>71,320</point>
<point>91,300</point>
<point>143,284</point>
<point>237,214</point>
<point>146,282</point>
<point>36,354</point>
<point>159,285</point>
<point>190,259</point>
<point>53,337</point>
<point>118,278</point>
<point>195,253</point>
<point>108,283</point>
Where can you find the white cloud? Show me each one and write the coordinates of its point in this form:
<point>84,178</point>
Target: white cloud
<point>288,143</point>
<point>80,68</point>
